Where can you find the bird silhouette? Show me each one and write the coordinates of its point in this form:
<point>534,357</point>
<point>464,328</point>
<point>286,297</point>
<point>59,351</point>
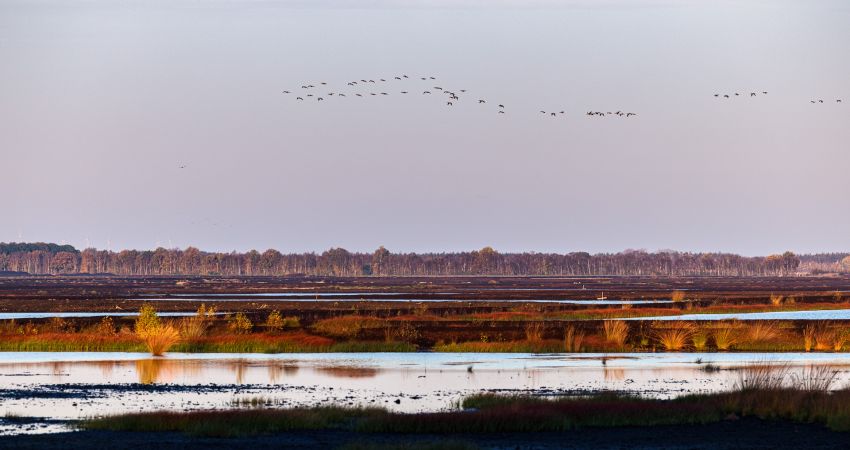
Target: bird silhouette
<point>726,96</point>
<point>398,78</point>
<point>838,100</point>
<point>820,101</point>
<point>285,92</point>
<point>449,103</point>
<point>553,114</point>
<point>501,106</point>
<point>359,95</point>
<point>481,101</point>
<point>631,114</point>
<point>404,92</point>
<point>299,98</point>
<point>764,92</point>
<point>319,99</point>
<point>752,94</point>
<point>384,93</point>
<point>717,95</point>
<point>426,92</point>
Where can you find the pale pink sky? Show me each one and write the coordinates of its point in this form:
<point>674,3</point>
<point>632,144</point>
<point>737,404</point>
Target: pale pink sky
<point>101,102</point>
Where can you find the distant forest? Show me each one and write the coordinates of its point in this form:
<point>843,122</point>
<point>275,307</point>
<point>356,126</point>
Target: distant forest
<point>42,258</point>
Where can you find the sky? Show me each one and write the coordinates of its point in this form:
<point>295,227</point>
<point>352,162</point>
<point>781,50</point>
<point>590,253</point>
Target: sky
<point>137,124</point>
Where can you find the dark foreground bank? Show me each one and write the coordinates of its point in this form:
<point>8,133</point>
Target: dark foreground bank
<point>730,434</point>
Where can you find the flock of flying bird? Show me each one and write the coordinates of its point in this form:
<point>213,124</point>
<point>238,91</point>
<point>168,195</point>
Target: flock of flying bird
<point>753,94</point>
<point>376,88</point>
<point>451,96</point>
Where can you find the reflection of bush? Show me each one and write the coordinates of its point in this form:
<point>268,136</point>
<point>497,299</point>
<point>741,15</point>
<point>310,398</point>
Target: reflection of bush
<point>149,370</point>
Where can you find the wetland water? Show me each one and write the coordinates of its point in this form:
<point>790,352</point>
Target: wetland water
<point>825,314</point>
<point>235,298</point>
<point>58,385</point>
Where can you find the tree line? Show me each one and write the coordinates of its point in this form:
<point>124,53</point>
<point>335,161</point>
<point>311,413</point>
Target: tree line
<point>52,259</point>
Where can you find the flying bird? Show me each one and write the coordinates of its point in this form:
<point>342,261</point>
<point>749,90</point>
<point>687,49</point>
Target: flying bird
<point>299,98</point>
<point>285,92</point>
<point>501,106</point>
<point>481,101</point>
<point>449,103</point>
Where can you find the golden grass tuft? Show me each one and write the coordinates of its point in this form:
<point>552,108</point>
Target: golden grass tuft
<point>534,332</point>
<point>725,338</point>
<point>159,340</point>
<point>616,331</point>
<point>572,339</point>
<point>762,330</point>
<point>677,296</point>
<point>676,336</point>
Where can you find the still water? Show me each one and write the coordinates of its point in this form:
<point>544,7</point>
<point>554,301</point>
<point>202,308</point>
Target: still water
<point>77,385</point>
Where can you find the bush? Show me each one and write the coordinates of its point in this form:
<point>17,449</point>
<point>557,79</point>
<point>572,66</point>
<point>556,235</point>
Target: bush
<point>156,336</point>
<point>347,326</point>
<point>196,326</point>
<point>105,327</point>
<point>239,323</point>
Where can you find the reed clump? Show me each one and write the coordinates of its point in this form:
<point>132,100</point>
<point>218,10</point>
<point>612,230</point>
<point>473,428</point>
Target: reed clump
<point>573,338</point>
<point>534,332</point>
<point>616,332</point>
<point>157,336</point>
<point>675,336</point>
<point>196,326</point>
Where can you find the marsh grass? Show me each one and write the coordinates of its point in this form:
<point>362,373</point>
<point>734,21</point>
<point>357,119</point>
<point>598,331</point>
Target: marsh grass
<point>534,332</point>
<point>725,338</point>
<point>676,336</point>
<point>762,330</point>
<point>616,332</point>
<point>573,339</point>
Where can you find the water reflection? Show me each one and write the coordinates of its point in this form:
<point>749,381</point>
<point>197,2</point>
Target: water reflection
<point>149,370</point>
<point>279,371</point>
<point>348,372</point>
